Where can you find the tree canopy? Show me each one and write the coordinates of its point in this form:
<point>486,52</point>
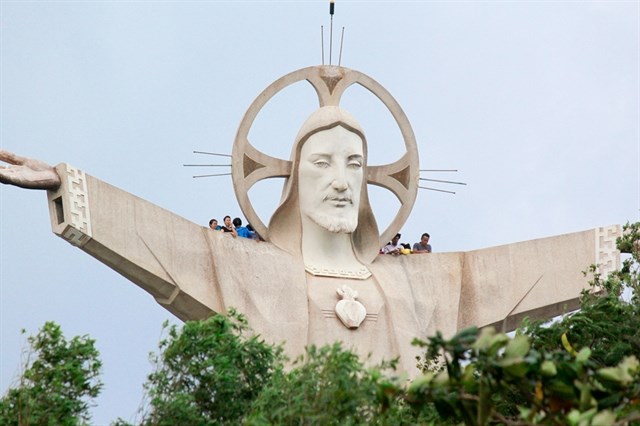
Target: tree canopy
<point>59,381</point>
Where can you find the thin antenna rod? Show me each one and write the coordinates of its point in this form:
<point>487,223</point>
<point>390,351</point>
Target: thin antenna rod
<point>443,181</point>
<point>322,41</point>
<point>341,40</point>
<point>211,153</point>
<point>220,174</point>
<point>438,170</point>
<point>206,165</point>
<point>433,189</point>
<point>331,10</point>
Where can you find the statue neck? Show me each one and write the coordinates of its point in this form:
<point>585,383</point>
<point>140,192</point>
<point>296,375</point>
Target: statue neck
<point>329,253</point>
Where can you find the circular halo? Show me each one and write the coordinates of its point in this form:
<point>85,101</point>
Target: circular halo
<point>249,165</point>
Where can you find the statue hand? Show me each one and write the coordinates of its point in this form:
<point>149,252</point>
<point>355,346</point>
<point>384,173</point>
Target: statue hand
<point>27,172</point>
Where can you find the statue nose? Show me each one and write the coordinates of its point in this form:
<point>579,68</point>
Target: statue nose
<point>339,185</point>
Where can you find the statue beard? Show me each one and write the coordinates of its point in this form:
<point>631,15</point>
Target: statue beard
<point>343,225</point>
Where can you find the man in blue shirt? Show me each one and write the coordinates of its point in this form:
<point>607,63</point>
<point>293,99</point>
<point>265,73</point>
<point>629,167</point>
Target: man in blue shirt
<point>241,230</point>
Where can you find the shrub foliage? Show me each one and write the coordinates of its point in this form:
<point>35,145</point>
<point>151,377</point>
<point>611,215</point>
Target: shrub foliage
<point>208,372</point>
<point>59,381</point>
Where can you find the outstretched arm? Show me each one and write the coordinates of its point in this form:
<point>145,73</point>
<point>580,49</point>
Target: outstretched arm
<point>27,172</point>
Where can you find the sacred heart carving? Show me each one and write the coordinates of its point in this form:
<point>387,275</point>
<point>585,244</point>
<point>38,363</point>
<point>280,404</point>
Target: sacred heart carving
<point>349,310</point>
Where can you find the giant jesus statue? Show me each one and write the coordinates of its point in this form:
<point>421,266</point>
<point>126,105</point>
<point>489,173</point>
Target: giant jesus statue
<point>318,278</point>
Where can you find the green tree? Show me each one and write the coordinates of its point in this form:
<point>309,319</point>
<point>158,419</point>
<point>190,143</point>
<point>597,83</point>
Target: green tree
<point>60,379</point>
<point>208,372</point>
<point>332,386</point>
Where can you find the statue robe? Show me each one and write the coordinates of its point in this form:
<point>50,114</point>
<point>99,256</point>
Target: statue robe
<point>194,271</point>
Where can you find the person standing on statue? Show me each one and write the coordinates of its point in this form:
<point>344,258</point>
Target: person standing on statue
<point>241,230</point>
<point>228,227</point>
<point>423,245</point>
<point>393,247</point>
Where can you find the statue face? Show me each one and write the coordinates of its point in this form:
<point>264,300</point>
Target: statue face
<point>330,177</point>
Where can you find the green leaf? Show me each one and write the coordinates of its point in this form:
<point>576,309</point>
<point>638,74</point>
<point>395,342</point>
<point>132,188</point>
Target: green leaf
<point>561,389</point>
<point>516,367</point>
<point>469,380</point>
<point>497,342</point>
<point>548,369</point>
<point>573,417</point>
<point>441,378</point>
<point>421,382</point>
<point>525,412</point>
<point>604,418</point>
<point>612,374</point>
<point>484,340</point>
<point>517,347</point>
<point>583,355</point>
<point>587,415</point>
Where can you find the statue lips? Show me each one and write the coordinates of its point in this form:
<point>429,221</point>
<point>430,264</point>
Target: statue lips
<point>339,201</point>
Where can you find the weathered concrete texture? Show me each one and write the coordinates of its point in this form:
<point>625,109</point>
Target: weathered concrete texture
<point>190,270</point>
<point>538,278</point>
<point>193,271</point>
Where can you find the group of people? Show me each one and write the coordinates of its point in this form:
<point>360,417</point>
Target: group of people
<point>395,247</point>
<point>235,228</point>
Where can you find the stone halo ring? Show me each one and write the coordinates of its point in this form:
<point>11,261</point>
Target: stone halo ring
<point>249,165</point>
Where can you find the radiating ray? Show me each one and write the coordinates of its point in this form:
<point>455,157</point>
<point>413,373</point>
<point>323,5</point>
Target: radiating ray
<point>443,181</point>
<point>219,174</point>
<point>212,153</point>
<point>434,189</point>
<point>206,165</point>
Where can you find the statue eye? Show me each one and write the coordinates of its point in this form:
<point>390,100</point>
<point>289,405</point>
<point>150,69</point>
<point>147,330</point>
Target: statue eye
<point>323,164</point>
<point>354,164</point>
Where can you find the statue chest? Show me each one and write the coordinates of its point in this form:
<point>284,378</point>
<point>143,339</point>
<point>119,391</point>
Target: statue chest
<point>327,302</point>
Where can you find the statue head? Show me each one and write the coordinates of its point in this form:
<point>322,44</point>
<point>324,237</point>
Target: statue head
<point>328,184</point>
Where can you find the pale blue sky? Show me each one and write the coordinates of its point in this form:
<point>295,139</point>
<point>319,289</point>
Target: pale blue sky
<point>535,102</point>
